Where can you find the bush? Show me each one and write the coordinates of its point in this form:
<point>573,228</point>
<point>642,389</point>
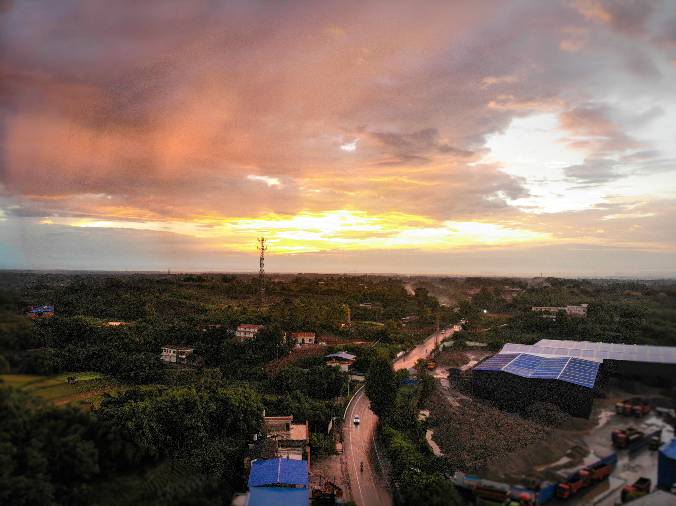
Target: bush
<point>4,365</point>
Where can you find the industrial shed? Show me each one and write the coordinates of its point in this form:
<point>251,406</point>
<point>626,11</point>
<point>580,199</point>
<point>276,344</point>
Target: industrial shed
<point>653,364</point>
<point>517,380</point>
<point>567,373</point>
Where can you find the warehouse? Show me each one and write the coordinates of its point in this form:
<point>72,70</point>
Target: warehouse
<point>567,373</point>
<point>517,380</point>
<point>651,364</point>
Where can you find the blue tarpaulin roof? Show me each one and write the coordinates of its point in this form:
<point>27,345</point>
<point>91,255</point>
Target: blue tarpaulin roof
<point>42,309</point>
<point>278,472</point>
<point>669,450</point>
<point>278,496</point>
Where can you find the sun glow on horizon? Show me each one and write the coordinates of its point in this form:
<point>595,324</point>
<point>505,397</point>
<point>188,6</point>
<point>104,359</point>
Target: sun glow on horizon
<point>343,229</point>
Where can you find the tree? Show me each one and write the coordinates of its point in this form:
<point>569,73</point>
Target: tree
<point>4,365</point>
<point>381,385</point>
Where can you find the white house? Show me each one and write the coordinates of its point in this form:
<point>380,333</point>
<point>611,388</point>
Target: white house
<point>175,354</point>
<point>247,331</point>
<point>303,338</point>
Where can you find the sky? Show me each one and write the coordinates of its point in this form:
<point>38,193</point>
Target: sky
<point>435,137</point>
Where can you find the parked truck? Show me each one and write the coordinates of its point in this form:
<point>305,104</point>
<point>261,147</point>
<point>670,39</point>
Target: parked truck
<point>638,489</point>
<point>634,440</point>
<point>584,478</point>
<point>633,407</point>
<point>623,438</point>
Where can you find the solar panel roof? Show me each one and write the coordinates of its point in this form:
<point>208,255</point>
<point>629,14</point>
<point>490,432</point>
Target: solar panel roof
<point>597,352</point>
<point>496,362</point>
<point>572,370</point>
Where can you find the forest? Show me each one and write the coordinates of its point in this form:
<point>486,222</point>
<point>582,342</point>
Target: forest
<point>175,435</point>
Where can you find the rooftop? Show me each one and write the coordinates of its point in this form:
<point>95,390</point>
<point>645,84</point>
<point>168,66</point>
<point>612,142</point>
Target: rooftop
<point>178,348</point>
<point>343,355</point>
<point>669,450</point>
<point>284,472</point>
<point>569,369</point>
<point>597,352</point>
<point>278,496</point>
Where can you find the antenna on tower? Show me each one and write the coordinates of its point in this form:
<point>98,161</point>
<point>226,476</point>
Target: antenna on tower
<point>261,271</point>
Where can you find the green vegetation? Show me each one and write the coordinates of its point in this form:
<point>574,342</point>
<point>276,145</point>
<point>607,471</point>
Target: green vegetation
<point>155,434</point>
<point>414,470</point>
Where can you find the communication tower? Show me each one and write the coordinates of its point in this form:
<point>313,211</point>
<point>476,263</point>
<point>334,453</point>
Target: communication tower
<point>261,271</point>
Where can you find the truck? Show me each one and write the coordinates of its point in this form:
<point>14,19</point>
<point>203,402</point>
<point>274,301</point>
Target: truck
<point>584,478</point>
<point>638,489</point>
<point>492,491</point>
<point>623,438</point>
<point>633,407</point>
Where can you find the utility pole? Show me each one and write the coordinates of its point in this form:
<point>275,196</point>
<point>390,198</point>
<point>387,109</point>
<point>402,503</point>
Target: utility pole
<point>261,271</point>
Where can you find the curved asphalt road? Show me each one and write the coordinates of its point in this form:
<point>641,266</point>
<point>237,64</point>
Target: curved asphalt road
<point>367,487</point>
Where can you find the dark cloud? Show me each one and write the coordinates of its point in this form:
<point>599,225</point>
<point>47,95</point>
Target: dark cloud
<point>594,172</point>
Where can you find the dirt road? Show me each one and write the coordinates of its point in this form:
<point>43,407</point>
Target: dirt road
<point>423,350</point>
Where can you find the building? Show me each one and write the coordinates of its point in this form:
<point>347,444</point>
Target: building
<point>247,331</point>
<point>279,482</point>
<point>303,338</point>
<point>342,359</point>
<point>567,373</point>
<point>292,438</point>
<point>666,466</point>
<point>115,324</point>
<point>176,354</point>
<point>515,381</point>
<point>40,311</point>
<point>551,311</point>
<point>645,363</point>
<point>656,498</point>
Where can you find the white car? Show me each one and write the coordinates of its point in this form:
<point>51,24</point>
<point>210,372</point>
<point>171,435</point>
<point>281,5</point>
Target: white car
<point>356,420</point>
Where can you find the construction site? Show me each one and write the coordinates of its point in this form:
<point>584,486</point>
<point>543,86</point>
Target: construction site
<point>555,422</point>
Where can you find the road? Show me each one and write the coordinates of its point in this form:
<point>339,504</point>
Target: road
<point>367,487</point>
<point>423,350</point>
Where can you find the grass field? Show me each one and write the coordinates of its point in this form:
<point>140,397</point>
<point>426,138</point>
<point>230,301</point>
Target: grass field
<point>88,388</point>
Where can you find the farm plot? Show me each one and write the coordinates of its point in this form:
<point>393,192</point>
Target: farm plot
<point>87,387</point>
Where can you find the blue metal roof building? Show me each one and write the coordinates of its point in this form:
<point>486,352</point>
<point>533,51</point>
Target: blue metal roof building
<point>279,482</point>
<point>569,369</point>
<point>666,466</point>
<point>517,378</point>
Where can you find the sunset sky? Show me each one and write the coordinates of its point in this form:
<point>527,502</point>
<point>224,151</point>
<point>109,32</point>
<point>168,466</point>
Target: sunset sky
<point>482,137</point>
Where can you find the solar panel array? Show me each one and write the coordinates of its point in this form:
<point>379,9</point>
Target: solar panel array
<point>572,370</point>
<point>496,362</point>
<point>597,352</point>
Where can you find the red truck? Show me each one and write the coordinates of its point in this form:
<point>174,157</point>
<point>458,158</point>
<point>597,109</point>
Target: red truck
<point>640,488</point>
<point>633,407</point>
<point>584,478</point>
<point>622,438</point>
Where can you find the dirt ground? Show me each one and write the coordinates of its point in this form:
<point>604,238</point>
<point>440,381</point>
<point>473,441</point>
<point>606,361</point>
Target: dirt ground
<point>478,438</point>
